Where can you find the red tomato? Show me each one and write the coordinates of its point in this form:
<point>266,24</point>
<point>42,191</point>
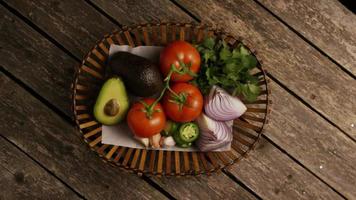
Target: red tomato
<point>187,106</point>
<point>176,53</point>
<point>143,126</point>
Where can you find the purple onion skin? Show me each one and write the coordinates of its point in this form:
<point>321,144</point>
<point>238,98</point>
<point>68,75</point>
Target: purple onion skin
<point>218,139</point>
<point>221,106</point>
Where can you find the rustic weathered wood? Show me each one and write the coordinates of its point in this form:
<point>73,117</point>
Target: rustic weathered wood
<point>287,57</point>
<point>22,178</point>
<point>322,148</point>
<point>203,187</point>
<point>258,166</point>
<point>328,25</point>
<point>79,30</point>
<point>18,54</point>
<point>150,11</point>
<point>272,175</point>
<point>76,29</point>
<point>53,142</point>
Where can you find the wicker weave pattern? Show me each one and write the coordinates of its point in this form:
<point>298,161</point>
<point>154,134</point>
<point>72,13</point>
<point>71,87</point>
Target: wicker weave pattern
<point>91,74</point>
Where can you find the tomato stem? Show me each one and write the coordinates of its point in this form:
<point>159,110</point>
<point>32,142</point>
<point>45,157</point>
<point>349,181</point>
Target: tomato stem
<point>185,69</point>
<point>180,99</point>
<point>150,108</point>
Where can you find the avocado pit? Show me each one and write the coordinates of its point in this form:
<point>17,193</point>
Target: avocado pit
<point>112,107</point>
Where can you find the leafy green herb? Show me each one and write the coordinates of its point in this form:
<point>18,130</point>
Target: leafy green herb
<point>229,69</point>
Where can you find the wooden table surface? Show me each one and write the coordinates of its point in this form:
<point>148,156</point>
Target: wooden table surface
<point>308,149</point>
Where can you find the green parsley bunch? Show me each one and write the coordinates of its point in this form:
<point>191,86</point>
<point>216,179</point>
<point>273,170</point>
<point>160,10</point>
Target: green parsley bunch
<point>229,69</point>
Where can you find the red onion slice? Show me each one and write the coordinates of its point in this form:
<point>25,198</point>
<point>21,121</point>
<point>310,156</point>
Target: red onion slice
<point>214,135</point>
<point>221,106</point>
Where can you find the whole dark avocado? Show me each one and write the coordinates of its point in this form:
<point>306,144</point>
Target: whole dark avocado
<point>141,76</point>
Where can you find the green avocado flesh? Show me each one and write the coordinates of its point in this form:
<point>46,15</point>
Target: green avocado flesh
<point>112,103</point>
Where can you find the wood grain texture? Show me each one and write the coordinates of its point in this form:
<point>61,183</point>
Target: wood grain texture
<point>126,12</point>
<point>54,143</point>
<point>287,57</point>
<point>206,187</point>
<point>49,51</point>
<point>290,164</point>
<point>329,25</point>
<point>74,24</point>
<point>322,148</point>
<point>35,61</point>
<point>22,178</point>
<point>272,175</point>
<point>79,29</point>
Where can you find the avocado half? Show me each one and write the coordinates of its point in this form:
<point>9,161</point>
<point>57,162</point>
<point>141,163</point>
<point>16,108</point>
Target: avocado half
<point>142,77</point>
<point>112,103</point>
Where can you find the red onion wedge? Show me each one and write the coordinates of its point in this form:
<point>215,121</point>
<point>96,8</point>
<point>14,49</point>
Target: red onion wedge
<point>214,135</point>
<point>221,106</point>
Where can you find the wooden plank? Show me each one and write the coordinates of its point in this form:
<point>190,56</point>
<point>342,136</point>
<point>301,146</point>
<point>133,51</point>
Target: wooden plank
<point>150,11</point>
<point>322,148</point>
<point>216,186</point>
<point>328,25</point>
<point>237,190</point>
<point>79,29</point>
<point>22,178</point>
<point>312,141</point>
<point>287,57</point>
<point>51,71</point>
<point>53,142</point>
<point>76,29</point>
<point>272,175</point>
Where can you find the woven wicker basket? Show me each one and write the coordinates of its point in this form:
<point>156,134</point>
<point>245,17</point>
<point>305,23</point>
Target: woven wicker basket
<point>91,74</point>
